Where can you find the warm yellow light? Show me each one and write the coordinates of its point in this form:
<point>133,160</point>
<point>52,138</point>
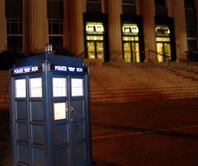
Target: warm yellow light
<point>48,48</point>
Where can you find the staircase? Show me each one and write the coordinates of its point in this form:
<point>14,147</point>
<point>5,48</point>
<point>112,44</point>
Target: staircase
<point>143,82</point>
<point>123,82</point>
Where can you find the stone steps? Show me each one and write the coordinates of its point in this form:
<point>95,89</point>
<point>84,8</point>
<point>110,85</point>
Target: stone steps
<point>128,83</point>
<point>111,83</point>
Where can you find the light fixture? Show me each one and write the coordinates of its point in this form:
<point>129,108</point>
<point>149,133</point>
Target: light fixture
<point>48,48</point>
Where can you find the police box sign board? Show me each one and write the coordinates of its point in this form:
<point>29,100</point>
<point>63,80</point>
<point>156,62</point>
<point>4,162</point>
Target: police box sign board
<point>39,68</point>
<point>62,68</point>
<point>26,70</point>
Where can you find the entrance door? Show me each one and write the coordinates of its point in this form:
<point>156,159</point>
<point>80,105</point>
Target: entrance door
<point>130,40</point>
<point>94,40</point>
<point>131,51</point>
<point>95,50</point>
<point>163,43</point>
<point>69,129</point>
<point>164,51</point>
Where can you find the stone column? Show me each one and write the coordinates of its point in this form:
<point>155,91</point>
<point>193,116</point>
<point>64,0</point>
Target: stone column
<point>138,7</point>
<point>3,39</point>
<point>148,13</point>
<point>114,25</point>
<point>180,28</point>
<point>38,25</point>
<point>66,25</point>
<point>170,8</point>
<point>76,26</point>
<point>196,8</point>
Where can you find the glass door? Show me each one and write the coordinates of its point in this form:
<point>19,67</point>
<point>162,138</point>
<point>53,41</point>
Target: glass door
<point>164,51</point>
<point>100,50</point>
<point>91,50</point>
<point>95,50</point>
<point>127,52</point>
<point>131,52</point>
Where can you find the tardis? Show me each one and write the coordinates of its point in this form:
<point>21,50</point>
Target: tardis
<point>50,112</point>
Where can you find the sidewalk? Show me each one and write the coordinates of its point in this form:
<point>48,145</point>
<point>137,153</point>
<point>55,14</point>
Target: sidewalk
<point>159,133</point>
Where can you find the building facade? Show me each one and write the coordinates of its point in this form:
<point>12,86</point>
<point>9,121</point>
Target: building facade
<point>110,30</point>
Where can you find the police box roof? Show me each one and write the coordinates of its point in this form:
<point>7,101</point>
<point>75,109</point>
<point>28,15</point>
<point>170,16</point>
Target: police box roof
<point>51,59</point>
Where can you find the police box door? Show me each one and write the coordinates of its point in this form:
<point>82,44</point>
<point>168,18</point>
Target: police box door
<point>28,121</point>
<point>69,120</point>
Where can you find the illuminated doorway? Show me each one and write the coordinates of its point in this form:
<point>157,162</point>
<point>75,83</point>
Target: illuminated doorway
<point>95,40</point>
<point>163,43</point>
<point>130,40</point>
<point>131,51</point>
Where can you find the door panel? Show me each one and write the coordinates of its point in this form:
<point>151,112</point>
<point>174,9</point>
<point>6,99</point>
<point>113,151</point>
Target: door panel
<point>167,50</point>
<point>61,124</point>
<point>91,50</point>
<point>127,52</point>
<point>69,122</point>
<point>29,121</point>
<point>100,50</point>
<point>160,50</point>
<point>135,51</point>
<point>61,156</point>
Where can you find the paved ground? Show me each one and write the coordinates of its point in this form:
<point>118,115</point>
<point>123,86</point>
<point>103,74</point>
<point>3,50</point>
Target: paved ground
<point>159,133</point>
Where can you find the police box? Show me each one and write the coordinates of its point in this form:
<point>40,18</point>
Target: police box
<point>50,111</point>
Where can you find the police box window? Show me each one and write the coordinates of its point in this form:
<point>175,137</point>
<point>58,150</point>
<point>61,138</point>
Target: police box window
<point>20,88</point>
<point>59,111</point>
<point>36,87</point>
<point>77,86</point>
<point>59,87</point>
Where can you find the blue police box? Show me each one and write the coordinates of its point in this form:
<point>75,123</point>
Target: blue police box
<point>50,111</point>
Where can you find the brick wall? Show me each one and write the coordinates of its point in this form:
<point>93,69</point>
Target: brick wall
<point>4,85</point>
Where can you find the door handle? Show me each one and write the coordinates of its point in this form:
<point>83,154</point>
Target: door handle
<point>71,109</point>
<point>68,108</point>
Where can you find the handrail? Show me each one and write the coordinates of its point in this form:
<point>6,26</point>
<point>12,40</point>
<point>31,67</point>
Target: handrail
<point>163,55</point>
<point>82,54</point>
<point>157,53</point>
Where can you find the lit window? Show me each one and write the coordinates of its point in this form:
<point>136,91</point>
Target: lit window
<point>59,87</point>
<point>130,29</point>
<point>162,30</point>
<point>20,88</point>
<point>77,86</point>
<point>59,111</point>
<point>35,87</point>
<point>94,28</point>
